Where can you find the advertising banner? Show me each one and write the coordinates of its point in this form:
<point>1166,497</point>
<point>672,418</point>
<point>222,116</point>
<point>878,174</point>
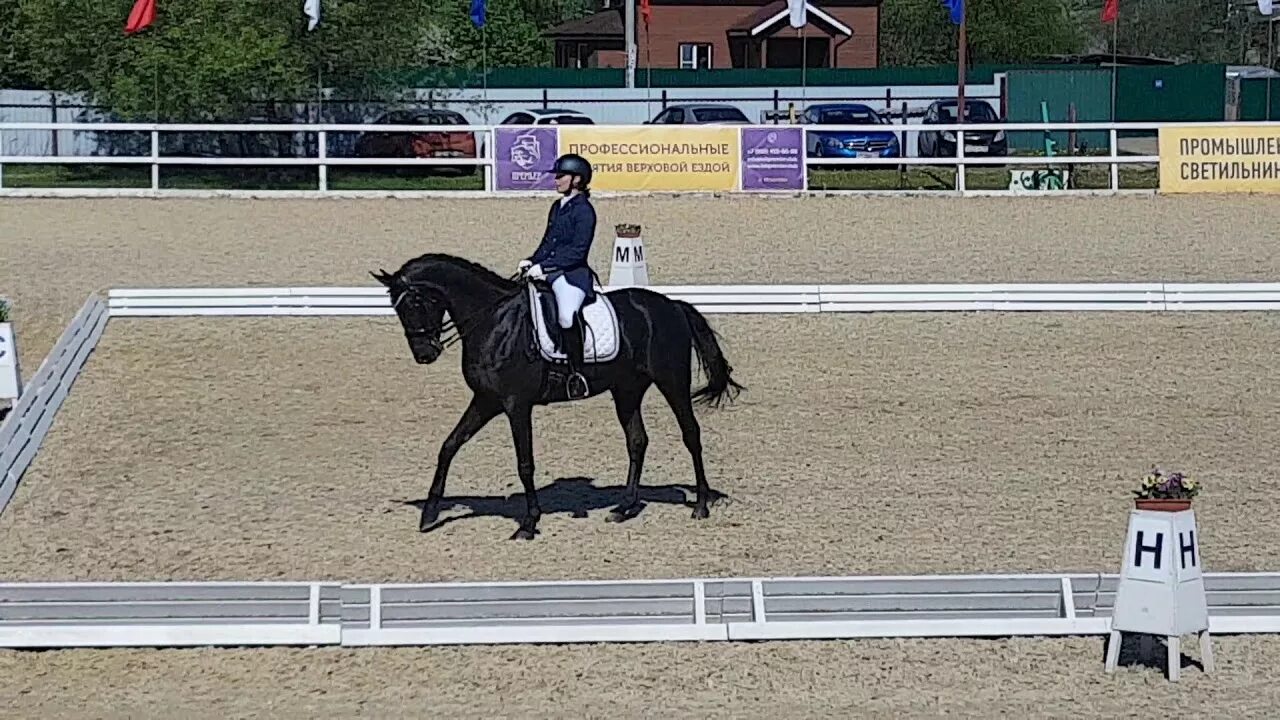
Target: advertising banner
<point>773,158</point>
<point>523,157</point>
<point>657,158</point>
<point>1220,158</point>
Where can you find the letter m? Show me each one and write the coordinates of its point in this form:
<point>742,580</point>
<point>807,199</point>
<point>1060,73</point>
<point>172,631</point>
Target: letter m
<point>622,254</point>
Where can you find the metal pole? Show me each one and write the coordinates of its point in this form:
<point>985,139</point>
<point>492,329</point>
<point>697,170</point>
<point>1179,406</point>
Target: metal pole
<point>629,17</point>
<point>1271,61</point>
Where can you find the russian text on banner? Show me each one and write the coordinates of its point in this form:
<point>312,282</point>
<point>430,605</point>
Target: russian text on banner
<point>1220,158</point>
<point>704,158</point>
<point>773,158</point>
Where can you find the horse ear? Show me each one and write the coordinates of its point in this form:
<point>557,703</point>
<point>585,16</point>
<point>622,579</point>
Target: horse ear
<point>382,277</point>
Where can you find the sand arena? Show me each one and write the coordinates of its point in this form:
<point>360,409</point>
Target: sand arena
<point>285,448</point>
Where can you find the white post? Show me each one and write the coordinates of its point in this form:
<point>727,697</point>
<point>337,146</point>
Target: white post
<point>1115,167</point>
<point>155,155</point>
<point>629,267</point>
<point>960,179</point>
<point>10,373</point>
<point>322,152</point>
<point>1161,589</point>
<point>629,28</point>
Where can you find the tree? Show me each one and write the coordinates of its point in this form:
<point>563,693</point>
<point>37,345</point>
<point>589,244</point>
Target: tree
<point>209,60</point>
<point>920,32</point>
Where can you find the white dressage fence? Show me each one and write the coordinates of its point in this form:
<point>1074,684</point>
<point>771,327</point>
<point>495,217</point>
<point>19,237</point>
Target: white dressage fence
<point>485,143</point>
<point>186,614</point>
<point>996,297</point>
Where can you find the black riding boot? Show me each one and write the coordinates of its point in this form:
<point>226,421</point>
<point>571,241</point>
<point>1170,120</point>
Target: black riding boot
<point>576,383</point>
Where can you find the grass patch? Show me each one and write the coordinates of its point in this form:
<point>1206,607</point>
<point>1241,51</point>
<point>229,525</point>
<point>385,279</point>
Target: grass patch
<point>943,177</point>
<point>230,177</point>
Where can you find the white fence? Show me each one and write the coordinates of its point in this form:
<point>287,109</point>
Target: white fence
<point>1045,297</point>
<point>156,160</point>
<point>187,614</point>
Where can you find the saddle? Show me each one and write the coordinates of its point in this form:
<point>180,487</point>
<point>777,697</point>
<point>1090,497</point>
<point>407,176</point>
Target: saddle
<point>599,332</point>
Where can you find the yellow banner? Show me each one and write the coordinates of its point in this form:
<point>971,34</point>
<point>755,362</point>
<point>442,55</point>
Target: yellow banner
<point>1220,158</point>
<point>694,158</point>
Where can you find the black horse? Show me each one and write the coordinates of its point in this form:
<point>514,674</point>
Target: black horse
<point>509,366</point>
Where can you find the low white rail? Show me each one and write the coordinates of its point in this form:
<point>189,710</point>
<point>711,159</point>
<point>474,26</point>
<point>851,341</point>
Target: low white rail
<point>999,297</point>
<point>25,426</point>
<point>155,159</point>
<point>185,614</point>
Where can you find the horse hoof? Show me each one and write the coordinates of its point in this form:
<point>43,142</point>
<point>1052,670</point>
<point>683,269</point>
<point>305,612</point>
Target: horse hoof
<point>523,534</point>
<point>701,513</point>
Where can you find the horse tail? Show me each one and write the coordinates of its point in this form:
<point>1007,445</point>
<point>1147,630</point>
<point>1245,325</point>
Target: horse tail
<point>720,383</point>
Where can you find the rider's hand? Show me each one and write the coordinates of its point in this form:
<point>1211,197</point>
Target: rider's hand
<point>523,266</point>
<point>535,272</point>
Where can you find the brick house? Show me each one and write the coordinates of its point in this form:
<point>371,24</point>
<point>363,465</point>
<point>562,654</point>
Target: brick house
<point>720,34</point>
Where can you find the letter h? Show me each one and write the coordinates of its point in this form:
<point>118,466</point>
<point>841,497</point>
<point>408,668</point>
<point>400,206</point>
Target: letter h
<point>1155,550</point>
<point>1188,546</point>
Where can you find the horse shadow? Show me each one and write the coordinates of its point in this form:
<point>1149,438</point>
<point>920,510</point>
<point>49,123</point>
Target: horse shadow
<point>577,496</point>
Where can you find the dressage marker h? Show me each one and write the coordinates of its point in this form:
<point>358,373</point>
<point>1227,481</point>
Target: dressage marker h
<point>634,338</point>
<point>1161,589</point>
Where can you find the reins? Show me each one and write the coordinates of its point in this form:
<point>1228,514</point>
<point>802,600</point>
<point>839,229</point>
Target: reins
<point>456,326</point>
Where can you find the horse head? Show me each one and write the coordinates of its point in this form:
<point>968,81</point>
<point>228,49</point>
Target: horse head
<point>421,311</point>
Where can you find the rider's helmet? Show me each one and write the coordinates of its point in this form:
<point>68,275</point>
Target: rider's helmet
<point>573,164</point>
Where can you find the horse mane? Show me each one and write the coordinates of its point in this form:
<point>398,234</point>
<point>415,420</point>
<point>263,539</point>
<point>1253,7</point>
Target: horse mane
<point>421,263</point>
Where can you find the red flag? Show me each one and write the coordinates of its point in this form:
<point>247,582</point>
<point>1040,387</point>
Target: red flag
<point>1110,10</point>
<point>645,11</point>
<point>142,15</point>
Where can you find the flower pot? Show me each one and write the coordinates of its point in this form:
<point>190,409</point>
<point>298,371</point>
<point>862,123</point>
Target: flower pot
<point>1162,504</point>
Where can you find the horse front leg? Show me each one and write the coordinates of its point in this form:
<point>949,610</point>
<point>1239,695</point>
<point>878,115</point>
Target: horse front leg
<point>478,414</point>
<point>626,402</point>
<point>520,415</point>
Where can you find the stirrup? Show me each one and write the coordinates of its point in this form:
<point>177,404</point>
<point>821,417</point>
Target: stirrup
<point>569,385</point>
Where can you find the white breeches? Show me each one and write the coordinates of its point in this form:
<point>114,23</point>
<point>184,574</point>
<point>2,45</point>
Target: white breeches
<point>568,300</point>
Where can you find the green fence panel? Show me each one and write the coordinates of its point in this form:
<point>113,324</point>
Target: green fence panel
<point>1171,93</point>
<point>1253,99</point>
<point>1089,89</point>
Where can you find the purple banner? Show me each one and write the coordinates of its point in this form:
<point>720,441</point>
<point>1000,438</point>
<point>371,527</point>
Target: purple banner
<point>772,159</point>
<point>523,157</point>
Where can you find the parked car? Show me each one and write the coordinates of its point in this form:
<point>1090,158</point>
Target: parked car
<point>848,143</point>
<point>976,142</point>
<point>431,144</point>
<point>547,116</point>
<point>700,114</point>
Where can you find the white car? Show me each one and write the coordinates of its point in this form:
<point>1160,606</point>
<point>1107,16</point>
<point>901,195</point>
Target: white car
<point>547,116</point>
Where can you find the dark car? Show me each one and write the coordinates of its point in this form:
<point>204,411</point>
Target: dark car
<point>430,144</point>
<point>700,114</point>
<point>976,142</point>
<point>877,141</point>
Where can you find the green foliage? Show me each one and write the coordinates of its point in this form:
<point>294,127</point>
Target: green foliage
<point>4,310</point>
<point>212,59</point>
<point>920,32</point>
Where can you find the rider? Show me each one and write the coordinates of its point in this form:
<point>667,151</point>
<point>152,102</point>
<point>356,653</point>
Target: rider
<point>561,257</point>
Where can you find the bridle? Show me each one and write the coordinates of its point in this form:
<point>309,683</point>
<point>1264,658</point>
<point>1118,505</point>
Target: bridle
<point>453,326</point>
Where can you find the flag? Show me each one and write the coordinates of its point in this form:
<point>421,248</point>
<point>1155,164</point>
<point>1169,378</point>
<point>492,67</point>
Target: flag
<point>312,10</point>
<point>957,10</point>
<point>478,12</point>
<point>1265,7</point>
<point>646,11</point>
<point>1111,10</point>
<point>142,15</point>
<point>799,13</point>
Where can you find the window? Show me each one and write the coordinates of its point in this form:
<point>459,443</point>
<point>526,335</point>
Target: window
<point>720,115</point>
<point>695,56</point>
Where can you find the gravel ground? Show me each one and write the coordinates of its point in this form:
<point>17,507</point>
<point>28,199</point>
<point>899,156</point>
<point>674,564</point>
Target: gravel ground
<point>274,448</point>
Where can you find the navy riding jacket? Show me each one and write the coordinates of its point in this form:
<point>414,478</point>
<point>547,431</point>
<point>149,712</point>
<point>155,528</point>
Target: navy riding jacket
<point>566,243</point>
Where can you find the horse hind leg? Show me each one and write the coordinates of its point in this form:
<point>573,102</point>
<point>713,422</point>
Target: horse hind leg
<point>677,396</point>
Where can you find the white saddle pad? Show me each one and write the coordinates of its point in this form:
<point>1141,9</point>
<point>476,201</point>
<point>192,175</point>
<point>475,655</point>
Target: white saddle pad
<point>599,337</point>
